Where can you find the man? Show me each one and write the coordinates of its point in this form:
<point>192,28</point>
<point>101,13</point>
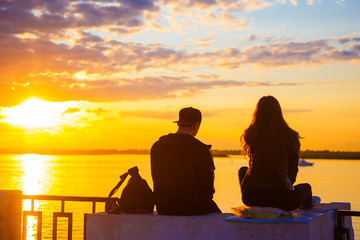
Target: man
<point>182,169</point>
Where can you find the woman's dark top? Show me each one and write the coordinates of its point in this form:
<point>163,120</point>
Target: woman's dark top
<point>258,178</point>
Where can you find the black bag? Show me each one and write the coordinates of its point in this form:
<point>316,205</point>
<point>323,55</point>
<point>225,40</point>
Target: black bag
<point>137,196</point>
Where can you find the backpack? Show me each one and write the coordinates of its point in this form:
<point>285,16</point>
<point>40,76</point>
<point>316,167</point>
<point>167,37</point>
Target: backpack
<point>136,197</point>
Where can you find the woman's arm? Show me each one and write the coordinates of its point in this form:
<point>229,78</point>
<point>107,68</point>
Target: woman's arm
<point>293,162</point>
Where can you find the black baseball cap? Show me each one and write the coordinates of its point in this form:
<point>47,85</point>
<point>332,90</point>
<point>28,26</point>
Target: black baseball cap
<point>189,115</point>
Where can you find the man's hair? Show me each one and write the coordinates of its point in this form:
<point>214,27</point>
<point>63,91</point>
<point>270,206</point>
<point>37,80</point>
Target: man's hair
<point>186,125</point>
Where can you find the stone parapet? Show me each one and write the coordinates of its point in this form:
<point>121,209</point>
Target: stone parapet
<point>319,226</point>
<point>10,214</point>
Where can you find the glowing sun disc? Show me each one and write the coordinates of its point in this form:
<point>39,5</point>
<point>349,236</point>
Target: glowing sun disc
<point>34,113</point>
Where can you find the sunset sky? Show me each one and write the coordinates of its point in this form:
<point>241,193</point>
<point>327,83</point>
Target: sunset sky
<point>114,74</point>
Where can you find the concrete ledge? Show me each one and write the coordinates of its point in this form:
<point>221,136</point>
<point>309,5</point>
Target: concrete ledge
<point>10,214</point>
<point>102,226</point>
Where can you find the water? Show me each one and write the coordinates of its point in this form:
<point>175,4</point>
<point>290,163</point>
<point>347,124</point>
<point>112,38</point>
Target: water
<point>96,175</point>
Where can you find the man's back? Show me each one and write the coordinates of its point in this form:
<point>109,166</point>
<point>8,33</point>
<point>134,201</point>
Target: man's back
<point>183,175</point>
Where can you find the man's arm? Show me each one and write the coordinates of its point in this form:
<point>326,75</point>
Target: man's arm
<point>206,175</point>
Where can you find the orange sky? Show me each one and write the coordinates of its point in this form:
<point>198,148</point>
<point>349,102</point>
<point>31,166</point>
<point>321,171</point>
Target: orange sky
<point>114,74</point>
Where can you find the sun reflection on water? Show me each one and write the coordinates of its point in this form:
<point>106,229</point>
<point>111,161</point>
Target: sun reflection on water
<point>33,167</point>
<point>35,174</point>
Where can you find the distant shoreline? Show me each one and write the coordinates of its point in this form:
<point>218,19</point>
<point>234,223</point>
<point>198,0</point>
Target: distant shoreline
<point>74,152</point>
<point>307,154</point>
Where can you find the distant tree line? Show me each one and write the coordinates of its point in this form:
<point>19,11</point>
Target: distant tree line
<point>226,153</point>
<point>74,152</point>
<point>326,154</point>
<point>309,154</point>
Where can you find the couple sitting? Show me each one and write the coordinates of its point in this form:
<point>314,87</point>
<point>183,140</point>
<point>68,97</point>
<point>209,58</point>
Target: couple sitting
<point>182,167</point>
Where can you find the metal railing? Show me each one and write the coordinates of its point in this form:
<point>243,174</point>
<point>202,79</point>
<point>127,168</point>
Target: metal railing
<point>56,215</point>
<point>340,230</point>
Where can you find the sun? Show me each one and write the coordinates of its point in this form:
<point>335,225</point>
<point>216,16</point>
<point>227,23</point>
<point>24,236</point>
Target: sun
<point>35,113</point>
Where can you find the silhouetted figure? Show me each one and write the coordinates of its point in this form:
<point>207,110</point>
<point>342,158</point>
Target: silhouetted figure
<point>182,169</point>
<point>273,149</point>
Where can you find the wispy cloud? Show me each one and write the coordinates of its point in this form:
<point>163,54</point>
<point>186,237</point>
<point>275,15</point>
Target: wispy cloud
<point>202,43</point>
<point>71,110</point>
<point>168,115</point>
<point>127,89</point>
<point>341,3</point>
<point>353,37</point>
<point>173,114</point>
<point>48,67</point>
<point>46,15</point>
<point>98,111</point>
<point>244,5</point>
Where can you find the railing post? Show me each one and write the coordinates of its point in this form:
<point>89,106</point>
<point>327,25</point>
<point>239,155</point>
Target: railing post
<point>10,214</point>
<point>37,214</point>
<point>85,223</point>
<point>93,207</point>
<point>69,216</point>
<point>340,225</point>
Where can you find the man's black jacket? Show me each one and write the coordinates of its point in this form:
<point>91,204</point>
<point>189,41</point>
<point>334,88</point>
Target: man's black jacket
<point>183,174</point>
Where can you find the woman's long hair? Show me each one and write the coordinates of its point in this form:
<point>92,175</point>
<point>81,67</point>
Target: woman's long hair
<point>268,139</point>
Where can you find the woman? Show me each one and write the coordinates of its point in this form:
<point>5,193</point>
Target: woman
<point>273,149</point>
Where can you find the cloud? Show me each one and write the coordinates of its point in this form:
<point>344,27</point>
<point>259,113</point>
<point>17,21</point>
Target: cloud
<point>98,111</point>
<point>226,22</point>
<point>233,5</point>
<point>356,47</point>
<point>283,54</point>
<point>167,115</point>
<point>353,37</point>
<point>268,39</point>
<point>295,2</point>
<point>173,115</point>
<point>77,50</point>
<point>20,16</point>
<point>202,43</point>
<point>88,37</point>
<point>286,54</point>
<point>341,3</point>
<point>61,72</point>
<point>217,18</point>
<point>353,53</point>
<point>58,89</point>
<point>312,2</point>
<point>71,110</point>
<point>207,77</point>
